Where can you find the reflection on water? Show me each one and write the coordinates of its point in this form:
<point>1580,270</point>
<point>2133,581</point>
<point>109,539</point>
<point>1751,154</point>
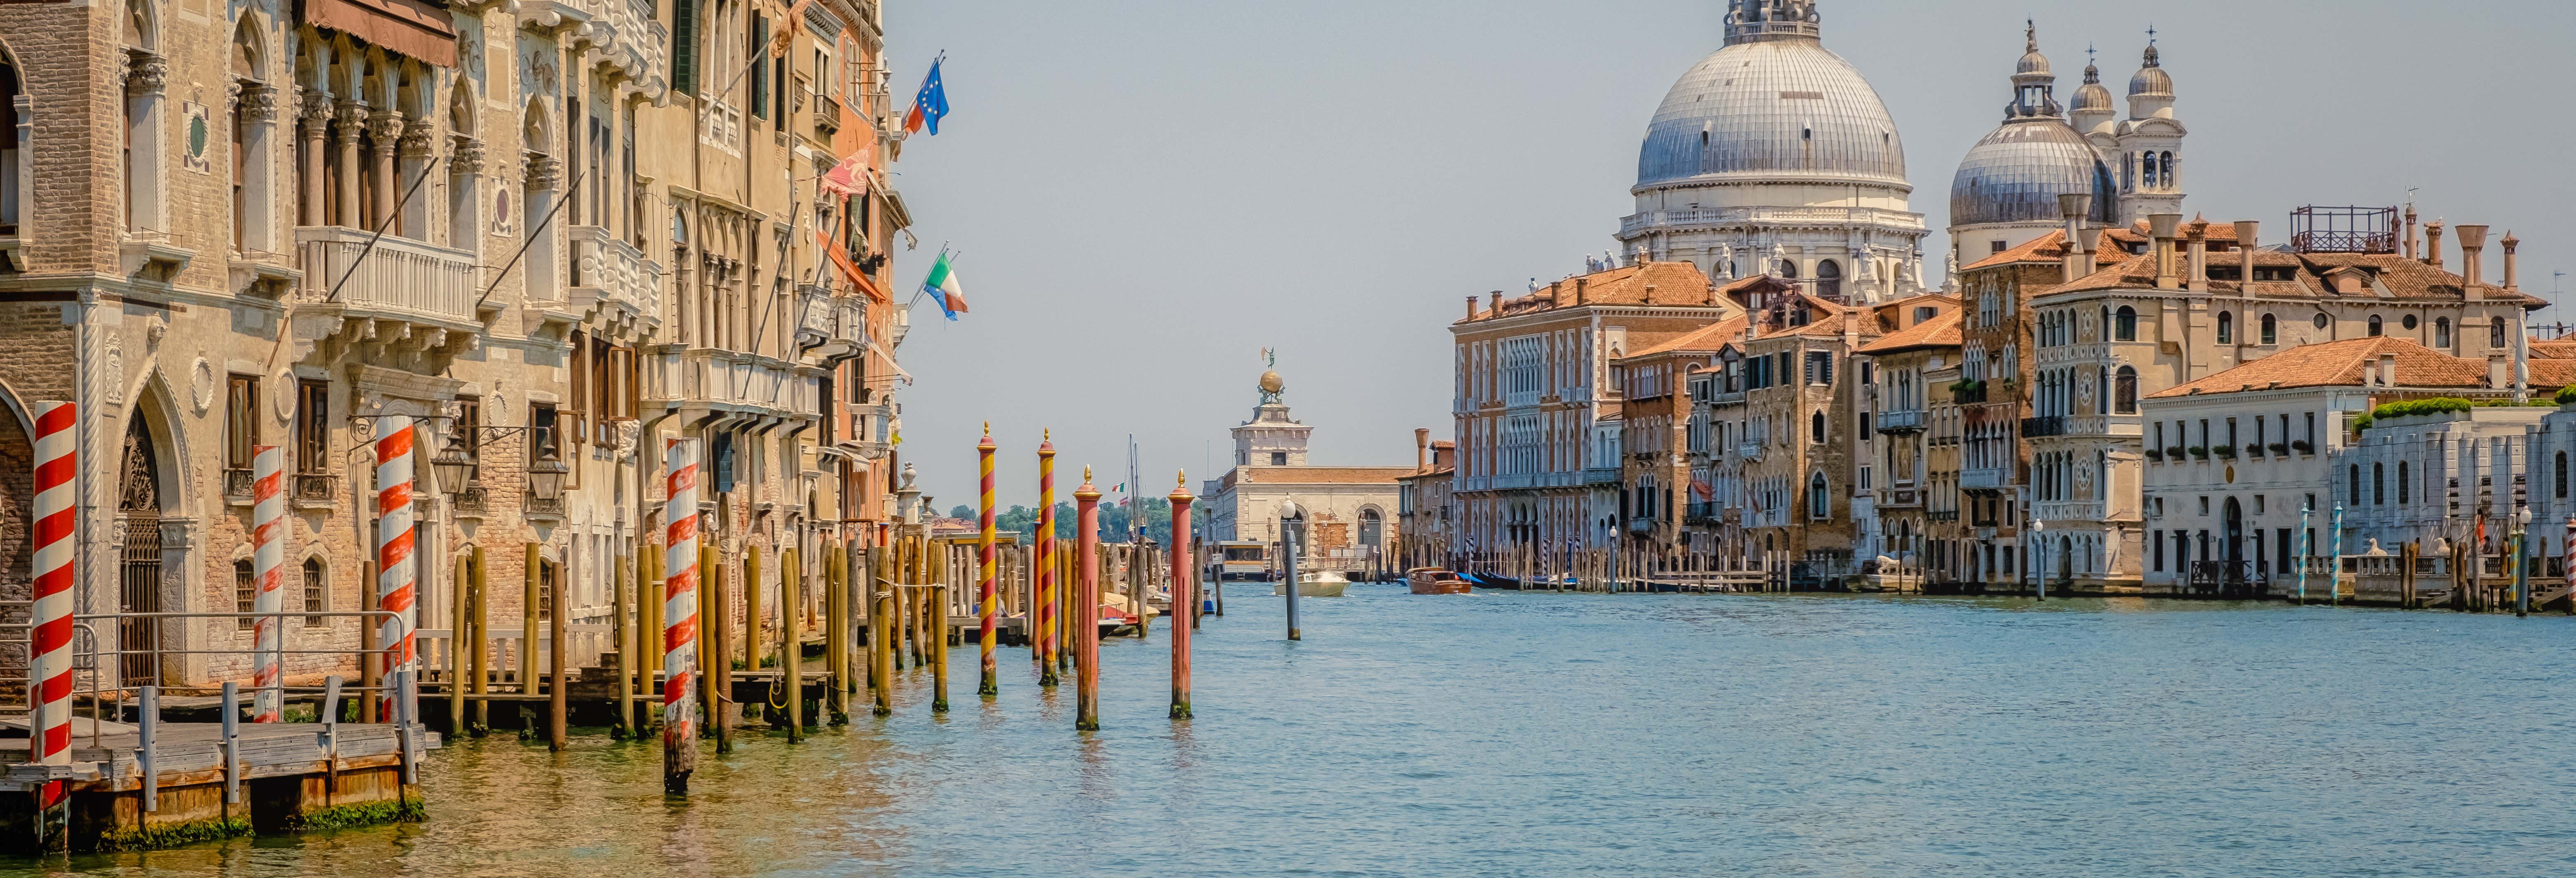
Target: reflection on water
<point>1559,734</point>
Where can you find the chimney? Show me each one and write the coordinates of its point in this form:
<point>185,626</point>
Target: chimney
<point>2498,374</point>
<point>1555,293</point>
<point>2433,243</point>
<point>2410,231</point>
<point>1579,284</point>
<point>1496,309</point>
<point>2473,252</point>
<point>2073,207</point>
<point>1421,449</point>
<point>2161,227</point>
<point>2199,234</point>
<point>2510,242</point>
<point>2247,233</point>
<point>2387,370</point>
<point>1471,307</point>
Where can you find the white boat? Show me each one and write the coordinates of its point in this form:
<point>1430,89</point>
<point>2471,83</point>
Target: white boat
<point>1324,584</point>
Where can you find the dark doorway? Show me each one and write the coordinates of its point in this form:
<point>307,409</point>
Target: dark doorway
<point>139,501</point>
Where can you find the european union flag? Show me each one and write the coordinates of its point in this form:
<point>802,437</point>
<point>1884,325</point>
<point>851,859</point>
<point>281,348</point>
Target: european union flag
<point>929,105</point>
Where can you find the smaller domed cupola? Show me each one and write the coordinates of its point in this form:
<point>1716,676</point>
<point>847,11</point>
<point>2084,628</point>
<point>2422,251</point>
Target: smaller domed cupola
<point>2092,97</point>
<point>2151,81</point>
<point>2034,87</point>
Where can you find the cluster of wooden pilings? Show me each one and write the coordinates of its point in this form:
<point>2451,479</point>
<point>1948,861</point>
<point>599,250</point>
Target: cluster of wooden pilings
<point>852,618</point>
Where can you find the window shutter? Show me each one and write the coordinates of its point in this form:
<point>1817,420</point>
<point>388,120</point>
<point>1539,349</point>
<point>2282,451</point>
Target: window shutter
<point>684,46</point>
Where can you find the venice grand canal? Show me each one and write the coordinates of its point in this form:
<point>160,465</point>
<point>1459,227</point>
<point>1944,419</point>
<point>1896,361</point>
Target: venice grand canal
<point>1507,734</point>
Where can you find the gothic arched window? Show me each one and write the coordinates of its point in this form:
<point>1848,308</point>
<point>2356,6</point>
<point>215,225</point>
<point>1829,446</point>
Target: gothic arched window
<point>1820,501</point>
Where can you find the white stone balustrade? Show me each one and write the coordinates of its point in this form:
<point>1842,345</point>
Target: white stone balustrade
<point>619,273</point>
<point>399,278</point>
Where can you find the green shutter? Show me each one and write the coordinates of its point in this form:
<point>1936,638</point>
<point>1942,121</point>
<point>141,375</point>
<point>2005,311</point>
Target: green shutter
<point>684,46</point>
<point>760,72</point>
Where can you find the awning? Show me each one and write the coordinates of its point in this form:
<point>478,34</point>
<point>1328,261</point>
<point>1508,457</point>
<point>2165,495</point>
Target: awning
<point>416,28</point>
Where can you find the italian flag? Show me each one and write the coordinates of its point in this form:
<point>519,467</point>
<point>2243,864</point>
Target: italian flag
<point>942,285</point>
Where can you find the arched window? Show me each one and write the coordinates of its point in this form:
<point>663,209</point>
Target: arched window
<point>12,189</point>
<point>1816,427</point>
<point>2168,170</point>
<point>2441,332</point>
<point>2124,393</point>
<point>1820,500</point>
<point>2355,482</point>
<point>245,593</point>
<point>2558,477</point>
<point>1789,269</point>
<point>2495,334</point>
<point>1372,529</point>
<point>2271,330</point>
<point>2226,327</point>
<point>2374,326</point>
<point>1829,279</point>
<point>2149,176</point>
<point>317,591</point>
<point>2124,324</point>
<point>2403,489</point>
<point>2378,484</point>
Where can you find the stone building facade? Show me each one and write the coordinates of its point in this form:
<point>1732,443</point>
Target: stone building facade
<point>553,235</point>
<point>1533,390</point>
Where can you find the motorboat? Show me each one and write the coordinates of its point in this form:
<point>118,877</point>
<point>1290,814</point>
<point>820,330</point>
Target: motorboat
<point>1434,580</point>
<point>1320,584</point>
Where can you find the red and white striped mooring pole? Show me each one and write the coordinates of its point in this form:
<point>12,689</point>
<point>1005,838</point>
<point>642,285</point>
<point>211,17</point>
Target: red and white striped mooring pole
<point>393,559</point>
<point>267,557</point>
<point>57,464</point>
<point>680,616</point>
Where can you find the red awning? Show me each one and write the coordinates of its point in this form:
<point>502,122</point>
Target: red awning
<point>412,27</point>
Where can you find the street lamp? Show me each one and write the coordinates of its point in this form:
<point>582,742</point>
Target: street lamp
<point>453,466</point>
<point>2522,562</point>
<point>546,478</point>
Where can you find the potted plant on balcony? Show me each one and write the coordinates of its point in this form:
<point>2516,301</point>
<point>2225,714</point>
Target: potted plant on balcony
<point>2253,449</point>
<point>2156,454</point>
<point>2225,451</point>
<point>2302,446</point>
<point>2200,451</point>
<point>2174,453</point>
<point>2281,449</point>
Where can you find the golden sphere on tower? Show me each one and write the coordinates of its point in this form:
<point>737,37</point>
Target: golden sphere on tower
<point>1270,382</point>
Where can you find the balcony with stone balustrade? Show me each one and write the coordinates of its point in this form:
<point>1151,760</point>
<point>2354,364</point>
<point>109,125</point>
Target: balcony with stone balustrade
<point>622,285</point>
<point>393,296</point>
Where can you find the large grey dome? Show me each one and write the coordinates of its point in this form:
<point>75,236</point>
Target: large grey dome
<point>2017,172</point>
<point>1781,108</point>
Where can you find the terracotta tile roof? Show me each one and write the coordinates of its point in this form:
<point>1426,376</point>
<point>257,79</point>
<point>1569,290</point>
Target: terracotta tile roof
<point>1942,331</point>
<point>2553,349</point>
<point>1671,283</point>
<point>1707,338</point>
<point>1323,475</point>
<point>1826,319</point>
<point>2050,249</point>
<point>2339,363</point>
<point>2310,272</point>
<point>2547,376</point>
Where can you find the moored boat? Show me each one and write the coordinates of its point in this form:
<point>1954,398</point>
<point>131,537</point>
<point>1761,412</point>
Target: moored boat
<point>1434,580</point>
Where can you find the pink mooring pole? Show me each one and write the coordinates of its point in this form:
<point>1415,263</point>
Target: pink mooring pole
<point>1185,596</point>
<point>56,523</point>
<point>267,556</point>
<point>393,558</point>
<point>1086,613</point>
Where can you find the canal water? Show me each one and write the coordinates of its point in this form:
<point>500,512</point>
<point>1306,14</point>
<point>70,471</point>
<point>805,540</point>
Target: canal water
<point>1507,734</point>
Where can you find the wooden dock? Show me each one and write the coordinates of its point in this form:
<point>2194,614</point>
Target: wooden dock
<point>271,777</point>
